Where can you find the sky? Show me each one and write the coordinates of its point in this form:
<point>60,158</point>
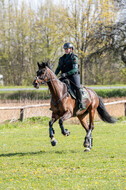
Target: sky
<point>35,3</point>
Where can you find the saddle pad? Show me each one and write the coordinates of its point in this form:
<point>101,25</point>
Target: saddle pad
<point>85,94</point>
<point>85,97</point>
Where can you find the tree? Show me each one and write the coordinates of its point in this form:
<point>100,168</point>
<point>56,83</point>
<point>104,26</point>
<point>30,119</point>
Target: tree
<point>28,36</point>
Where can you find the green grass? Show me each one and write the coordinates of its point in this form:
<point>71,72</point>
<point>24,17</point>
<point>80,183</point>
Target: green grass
<point>28,161</point>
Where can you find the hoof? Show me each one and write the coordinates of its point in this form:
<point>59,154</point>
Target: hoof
<point>87,150</point>
<point>67,132</point>
<point>88,143</point>
<point>53,142</point>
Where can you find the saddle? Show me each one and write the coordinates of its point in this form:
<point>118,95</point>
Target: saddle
<point>72,91</point>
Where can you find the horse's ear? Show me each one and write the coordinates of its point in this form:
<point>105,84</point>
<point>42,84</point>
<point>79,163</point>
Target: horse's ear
<point>38,64</point>
<point>43,64</point>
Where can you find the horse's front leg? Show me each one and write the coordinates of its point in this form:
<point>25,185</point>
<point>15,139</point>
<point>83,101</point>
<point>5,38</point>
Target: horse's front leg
<point>66,116</point>
<point>51,130</point>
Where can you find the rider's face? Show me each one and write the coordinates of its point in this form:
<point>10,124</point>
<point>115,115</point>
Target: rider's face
<point>67,50</point>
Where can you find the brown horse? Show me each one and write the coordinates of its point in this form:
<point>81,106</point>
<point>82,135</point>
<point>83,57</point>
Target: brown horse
<point>63,106</point>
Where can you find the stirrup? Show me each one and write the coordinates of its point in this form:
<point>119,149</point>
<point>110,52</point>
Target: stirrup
<point>81,109</point>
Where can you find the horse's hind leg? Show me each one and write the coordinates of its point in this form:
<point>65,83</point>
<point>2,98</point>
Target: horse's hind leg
<point>85,125</point>
<point>88,139</point>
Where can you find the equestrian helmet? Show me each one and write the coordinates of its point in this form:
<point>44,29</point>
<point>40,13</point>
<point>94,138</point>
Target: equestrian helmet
<point>68,45</point>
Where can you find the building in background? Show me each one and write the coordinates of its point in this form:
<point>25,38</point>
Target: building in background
<point>1,80</point>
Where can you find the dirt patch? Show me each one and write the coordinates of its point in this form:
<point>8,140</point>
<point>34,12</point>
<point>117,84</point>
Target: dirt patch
<point>116,110</point>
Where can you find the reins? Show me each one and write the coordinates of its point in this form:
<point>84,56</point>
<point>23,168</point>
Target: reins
<point>56,103</point>
<point>49,80</point>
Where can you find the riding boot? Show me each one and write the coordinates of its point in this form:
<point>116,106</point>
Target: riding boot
<point>79,96</point>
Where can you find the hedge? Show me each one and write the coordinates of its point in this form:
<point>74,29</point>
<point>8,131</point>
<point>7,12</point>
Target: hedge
<point>109,93</point>
<point>23,95</point>
<point>45,94</point>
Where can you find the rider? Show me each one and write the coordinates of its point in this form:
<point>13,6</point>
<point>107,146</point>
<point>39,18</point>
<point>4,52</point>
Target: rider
<point>68,65</point>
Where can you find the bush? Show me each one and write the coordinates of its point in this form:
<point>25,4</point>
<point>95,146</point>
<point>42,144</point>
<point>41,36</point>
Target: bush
<point>108,93</point>
<point>45,94</point>
<point>22,95</point>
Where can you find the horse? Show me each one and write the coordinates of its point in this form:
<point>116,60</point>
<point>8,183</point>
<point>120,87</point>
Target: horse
<point>64,106</point>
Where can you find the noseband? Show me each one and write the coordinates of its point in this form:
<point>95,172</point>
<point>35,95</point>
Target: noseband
<point>36,78</point>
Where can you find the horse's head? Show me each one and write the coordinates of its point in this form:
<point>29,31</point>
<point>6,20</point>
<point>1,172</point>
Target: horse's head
<point>42,75</point>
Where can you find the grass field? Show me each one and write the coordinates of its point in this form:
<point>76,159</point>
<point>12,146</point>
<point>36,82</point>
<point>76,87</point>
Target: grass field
<point>28,161</point>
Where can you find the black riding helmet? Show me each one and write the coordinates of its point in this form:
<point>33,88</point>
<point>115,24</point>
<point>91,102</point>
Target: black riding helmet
<point>68,45</point>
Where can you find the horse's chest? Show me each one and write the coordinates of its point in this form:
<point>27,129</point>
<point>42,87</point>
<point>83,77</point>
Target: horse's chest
<point>59,110</point>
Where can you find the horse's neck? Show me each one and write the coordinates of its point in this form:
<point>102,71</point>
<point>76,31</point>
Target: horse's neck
<point>56,87</point>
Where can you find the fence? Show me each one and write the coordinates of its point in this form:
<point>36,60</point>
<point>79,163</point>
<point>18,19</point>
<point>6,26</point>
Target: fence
<point>23,108</point>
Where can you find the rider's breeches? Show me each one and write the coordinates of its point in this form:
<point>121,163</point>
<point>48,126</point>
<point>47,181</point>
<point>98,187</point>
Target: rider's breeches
<point>75,82</point>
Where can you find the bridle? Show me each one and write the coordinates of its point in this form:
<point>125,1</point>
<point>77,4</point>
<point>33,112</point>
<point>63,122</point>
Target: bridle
<point>43,78</point>
<point>37,79</point>
<point>50,79</point>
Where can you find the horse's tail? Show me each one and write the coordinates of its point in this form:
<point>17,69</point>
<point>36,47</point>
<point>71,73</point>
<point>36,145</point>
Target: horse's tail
<point>104,115</point>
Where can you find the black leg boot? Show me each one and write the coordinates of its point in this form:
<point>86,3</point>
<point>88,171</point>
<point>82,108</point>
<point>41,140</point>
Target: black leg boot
<point>79,96</point>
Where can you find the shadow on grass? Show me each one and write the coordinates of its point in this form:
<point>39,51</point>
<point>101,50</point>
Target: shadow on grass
<point>22,153</point>
<point>66,151</point>
<point>36,153</point>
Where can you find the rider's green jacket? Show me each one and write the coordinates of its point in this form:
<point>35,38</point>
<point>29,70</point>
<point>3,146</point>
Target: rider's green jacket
<point>68,64</point>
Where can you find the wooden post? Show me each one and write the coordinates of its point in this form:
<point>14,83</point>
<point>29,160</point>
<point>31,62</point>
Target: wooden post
<point>125,109</point>
<point>22,114</point>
